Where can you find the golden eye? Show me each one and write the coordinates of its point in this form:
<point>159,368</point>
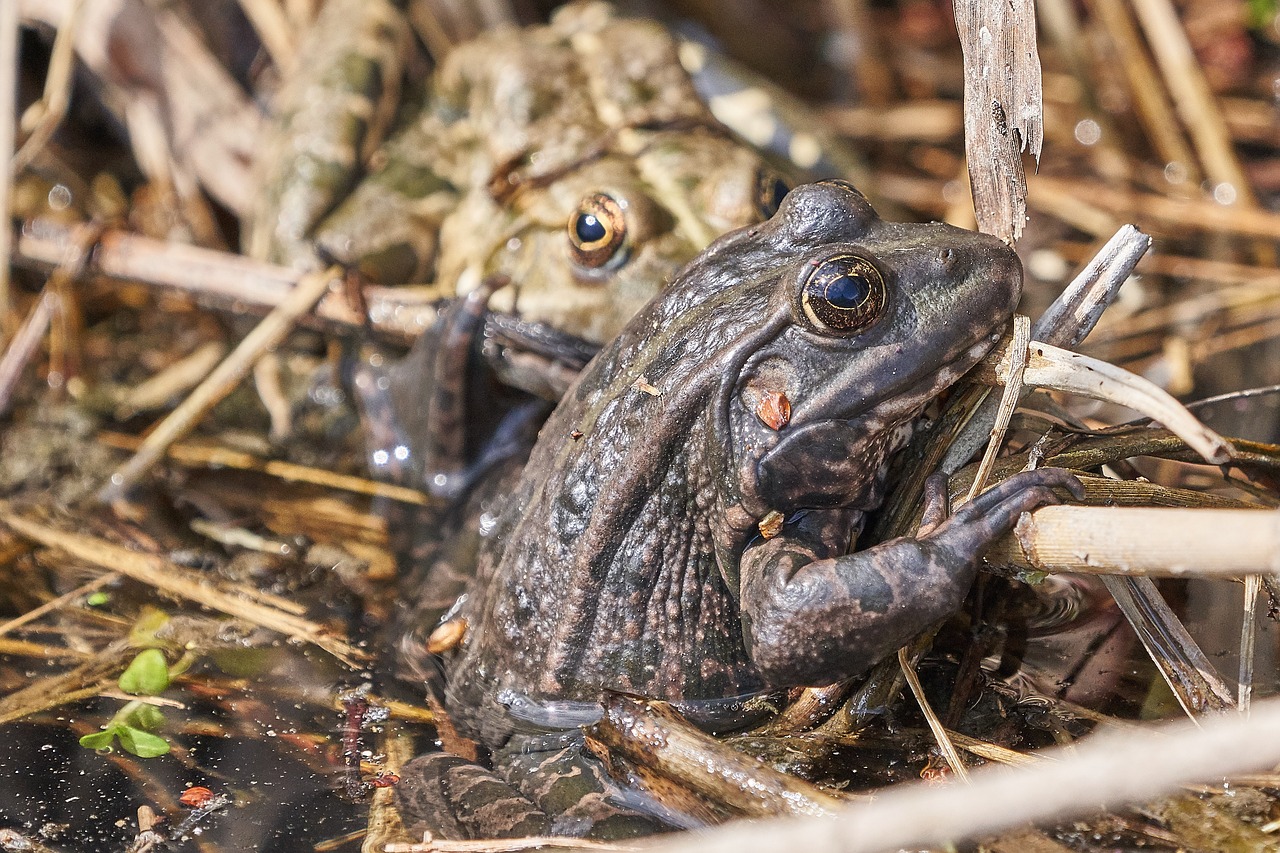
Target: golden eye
<point>844,294</point>
<point>598,232</point>
<point>771,189</point>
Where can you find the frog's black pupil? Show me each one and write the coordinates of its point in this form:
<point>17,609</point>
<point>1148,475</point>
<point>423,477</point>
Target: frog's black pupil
<point>848,291</point>
<point>590,229</point>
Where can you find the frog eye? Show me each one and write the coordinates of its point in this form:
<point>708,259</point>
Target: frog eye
<point>771,189</point>
<point>844,295</point>
<point>597,232</point>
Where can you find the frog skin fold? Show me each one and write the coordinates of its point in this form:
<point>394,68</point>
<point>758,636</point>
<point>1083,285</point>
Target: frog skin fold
<point>629,556</point>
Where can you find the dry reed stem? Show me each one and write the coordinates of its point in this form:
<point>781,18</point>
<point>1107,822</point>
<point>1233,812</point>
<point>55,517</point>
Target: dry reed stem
<point>1192,96</point>
<point>171,578</point>
<point>55,603</point>
<point>1003,108</point>
<point>1183,665</point>
<point>52,107</point>
<point>1159,213</point>
<point>940,735</point>
<point>513,845</point>
<point>8,136</point>
<point>400,312</point>
<point>222,457</point>
<point>272,26</point>
<point>179,377</point>
<point>1150,541</point>
<point>1107,770</point>
<point>1151,103</point>
<point>24,344</point>
<point>266,335</point>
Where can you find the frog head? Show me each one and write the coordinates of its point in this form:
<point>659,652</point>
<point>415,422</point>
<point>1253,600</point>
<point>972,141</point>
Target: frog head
<point>857,323</point>
<point>587,248</point>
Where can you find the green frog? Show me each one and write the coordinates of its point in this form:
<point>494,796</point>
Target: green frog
<point>576,160</point>
<point>684,527</point>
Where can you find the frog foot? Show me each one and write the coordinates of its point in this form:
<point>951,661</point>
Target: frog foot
<point>978,523</point>
<point>453,798</point>
<point>813,616</point>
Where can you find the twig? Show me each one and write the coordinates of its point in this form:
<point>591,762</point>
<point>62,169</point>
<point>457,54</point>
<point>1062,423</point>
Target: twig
<point>222,457</point>
<point>653,736</point>
<point>220,382</point>
<point>24,345</point>
<point>171,578</point>
<point>1151,105</point>
<point>8,112</point>
<point>935,725</point>
<point>57,89</point>
<point>1172,216</point>
<point>513,845</point>
<point>1193,98</point>
<point>178,377</point>
<point>54,604</point>
<point>1003,108</point>
<point>272,26</point>
<point>1096,774</point>
<point>221,276</point>
<point>1018,352</point>
<point>1248,641</point>
<point>1151,541</point>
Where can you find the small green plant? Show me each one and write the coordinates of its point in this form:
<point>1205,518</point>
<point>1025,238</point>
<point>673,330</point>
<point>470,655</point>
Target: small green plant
<point>135,724</point>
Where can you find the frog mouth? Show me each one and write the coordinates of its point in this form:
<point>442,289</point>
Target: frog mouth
<point>830,460</point>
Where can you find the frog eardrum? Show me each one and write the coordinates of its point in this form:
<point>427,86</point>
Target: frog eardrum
<point>843,295</point>
<point>598,233</point>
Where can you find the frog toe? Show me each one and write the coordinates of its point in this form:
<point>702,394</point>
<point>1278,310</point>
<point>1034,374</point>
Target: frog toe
<point>450,797</point>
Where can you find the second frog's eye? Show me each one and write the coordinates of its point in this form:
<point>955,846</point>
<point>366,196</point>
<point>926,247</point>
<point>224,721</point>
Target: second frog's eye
<point>771,189</point>
<point>843,295</point>
<point>598,232</point>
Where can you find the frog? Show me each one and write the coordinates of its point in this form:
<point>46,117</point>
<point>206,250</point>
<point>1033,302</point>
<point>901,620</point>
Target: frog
<point>685,528</point>
<point>576,160</point>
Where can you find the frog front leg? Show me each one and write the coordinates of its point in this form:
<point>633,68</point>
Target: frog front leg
<point>813,615</point>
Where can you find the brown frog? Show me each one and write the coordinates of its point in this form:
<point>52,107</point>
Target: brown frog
<point>632,554</point>
<point>575,159</point>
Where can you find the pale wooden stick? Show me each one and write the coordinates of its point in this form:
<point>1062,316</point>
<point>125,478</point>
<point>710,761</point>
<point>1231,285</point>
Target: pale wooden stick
<point>1109,769</point>
<point>1061,370</point>
<point>1248,642</point>
<point>402,312</point>
<point>1161,542</point>
<point>224,457</point>
<point>267,334</point>
<point>272,26</point>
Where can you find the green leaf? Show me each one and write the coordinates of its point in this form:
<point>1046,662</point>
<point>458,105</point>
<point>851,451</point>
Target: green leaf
<point>142,744</point>
<point>146,717</point>
<point>147,675</point>
<point>143,632</point>
<point>99,740</point>
<point>97,599</point>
